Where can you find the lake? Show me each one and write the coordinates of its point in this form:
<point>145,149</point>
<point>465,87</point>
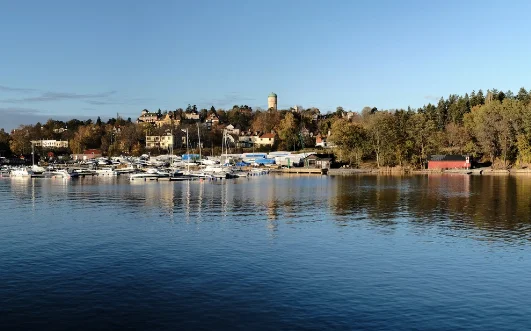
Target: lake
<point>267,253</point>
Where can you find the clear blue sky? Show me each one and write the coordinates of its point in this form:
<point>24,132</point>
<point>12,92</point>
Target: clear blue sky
<point>67,59</point>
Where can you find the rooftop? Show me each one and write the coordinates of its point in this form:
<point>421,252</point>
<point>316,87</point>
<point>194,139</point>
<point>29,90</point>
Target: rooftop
<point>448,158</point>
<point>268,135</point>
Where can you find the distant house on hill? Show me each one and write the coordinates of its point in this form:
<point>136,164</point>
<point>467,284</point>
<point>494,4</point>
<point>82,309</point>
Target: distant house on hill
<point>247,139</point>
<point>449,162</point>
<point>164,141</point>
<point>166,119</point>
<point>266,139</point>
<point>211,120</point>
<point>159,119</point>
<point>232,130</point>
<point>258,139</point>
<point>192,116</point>
<point>88,154</point>
<point>50,144</point>
<point>147,117</point>
<point>320,141</point>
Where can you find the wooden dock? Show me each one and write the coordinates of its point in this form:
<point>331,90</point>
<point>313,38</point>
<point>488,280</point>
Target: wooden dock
<point>295,170</point>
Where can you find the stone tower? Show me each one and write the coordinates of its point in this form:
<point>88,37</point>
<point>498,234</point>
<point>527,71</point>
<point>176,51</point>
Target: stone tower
<point>272,101</point>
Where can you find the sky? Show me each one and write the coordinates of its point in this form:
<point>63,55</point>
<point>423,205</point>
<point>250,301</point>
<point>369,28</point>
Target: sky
<point>67,59</point>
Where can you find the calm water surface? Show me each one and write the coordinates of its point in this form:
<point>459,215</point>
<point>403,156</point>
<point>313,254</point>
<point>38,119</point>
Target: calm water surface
<point>272,252</point>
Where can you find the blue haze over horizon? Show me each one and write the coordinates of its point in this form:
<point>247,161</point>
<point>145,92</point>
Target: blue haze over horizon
<point>66,60</point>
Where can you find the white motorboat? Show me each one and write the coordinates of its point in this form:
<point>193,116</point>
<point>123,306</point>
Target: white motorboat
<point>60,173</point>
<point>143,176</point>
<point>36,170</point>
<point>157,172</point>
<point>208,162</point>
<point>84,172</point>
<point>106,172</point>
<point>151,173</point>
<point>212,169</point>
<point>127,170</point>
<point>21,172</point>
<point>241,173</point>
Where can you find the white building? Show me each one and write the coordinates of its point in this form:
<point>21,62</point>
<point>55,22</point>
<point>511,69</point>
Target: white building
<point>249,139</point>
<point>163,142</point>
<point>50,143</point>
<point>193,116</point>
<point>232,130</point>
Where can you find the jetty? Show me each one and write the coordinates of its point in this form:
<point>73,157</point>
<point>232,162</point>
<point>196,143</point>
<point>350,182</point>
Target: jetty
<point>295,170</point>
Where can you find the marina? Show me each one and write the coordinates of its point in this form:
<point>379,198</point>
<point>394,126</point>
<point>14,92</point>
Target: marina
<point>172,167</point>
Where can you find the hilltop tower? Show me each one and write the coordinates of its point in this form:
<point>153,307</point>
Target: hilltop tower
<point>272,101</point>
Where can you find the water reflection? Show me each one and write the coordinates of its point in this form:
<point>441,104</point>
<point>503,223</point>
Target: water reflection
<point>496,206</point>
<point>484,207</point>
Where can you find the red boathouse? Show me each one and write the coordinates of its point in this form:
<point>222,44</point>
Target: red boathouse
<point>449,162</point>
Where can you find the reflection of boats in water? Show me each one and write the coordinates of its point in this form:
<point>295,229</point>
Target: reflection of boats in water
<point>60,173</point>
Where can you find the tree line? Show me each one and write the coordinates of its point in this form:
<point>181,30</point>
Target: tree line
<point>494,126</point>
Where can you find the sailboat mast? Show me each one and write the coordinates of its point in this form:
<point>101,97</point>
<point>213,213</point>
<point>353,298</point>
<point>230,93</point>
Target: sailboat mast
<point>171,148</point>
<point>199,137</point>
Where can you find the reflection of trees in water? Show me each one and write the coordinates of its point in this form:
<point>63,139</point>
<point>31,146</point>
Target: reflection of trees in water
<point>452,202</point>
<point>498,206</point>
<point>376,198</point>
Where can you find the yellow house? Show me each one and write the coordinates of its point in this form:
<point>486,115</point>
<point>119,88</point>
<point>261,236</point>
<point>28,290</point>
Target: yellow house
<point>266,139</point>
<point>163,142</point>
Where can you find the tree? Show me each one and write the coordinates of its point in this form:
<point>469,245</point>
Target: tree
<point>381,136</point>
<point>523,96</point>
<point>480,97</point>
<point>20,140</point>
<point>442,114</point>
<point>339,112</point>
<point>473,99</point>
<point>265,121</point>
<point>481,122</point>
<point>421,131</point>
<point>203,113</point>
<point>128,137</point>
<point>87,136</point>
<point>402,140</point>
<point>288,132</point>
<point>457,139</point>
<point>98,121</point>
<point>5,139</point>
<point>350,139</point>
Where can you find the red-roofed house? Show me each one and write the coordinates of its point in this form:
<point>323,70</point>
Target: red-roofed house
<point>266,139</point>
<point>87,155</point>
<point>320,141</point>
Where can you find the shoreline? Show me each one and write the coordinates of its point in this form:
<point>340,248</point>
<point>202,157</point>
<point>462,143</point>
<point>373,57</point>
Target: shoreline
<point>401,171</point>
